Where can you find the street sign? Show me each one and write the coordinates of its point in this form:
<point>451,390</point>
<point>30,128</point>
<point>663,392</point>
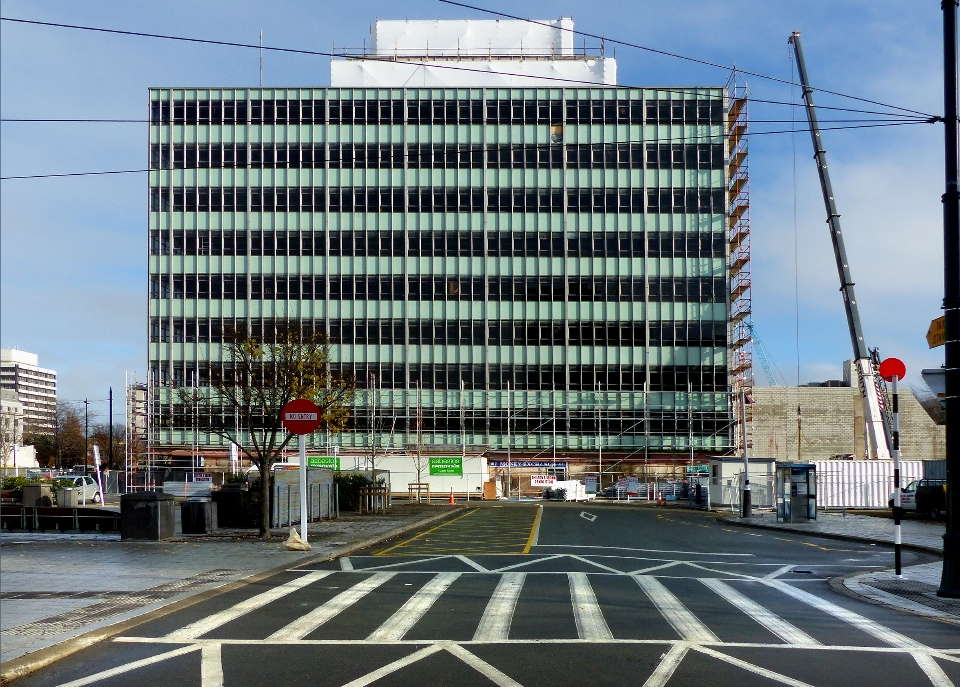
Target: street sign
<point>893,367</point>
<point>332,462</point>
<point>542,480</point>
<point>698,469</point>
<point>446,465</point>
<point>937,333</point>
<point>300,416</point>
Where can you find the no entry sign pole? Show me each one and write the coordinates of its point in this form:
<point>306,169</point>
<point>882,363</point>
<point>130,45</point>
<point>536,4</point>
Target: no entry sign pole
<point>893,370</point>
<point>302,417</point>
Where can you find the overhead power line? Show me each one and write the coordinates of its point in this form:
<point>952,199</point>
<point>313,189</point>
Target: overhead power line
<point>522,147</point>
<point>436,65</point>
<point>676,55</point>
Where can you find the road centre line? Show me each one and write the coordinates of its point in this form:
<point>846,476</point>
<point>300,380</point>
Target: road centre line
<point>401,622</point>
<point>770,620</point>
<point>586,610</point>
<point>498,615</point>
<point>627,548</point>
<point>667,666</point>
<point>687,625</point>
<point>211,622</point>
<point>306,624</point>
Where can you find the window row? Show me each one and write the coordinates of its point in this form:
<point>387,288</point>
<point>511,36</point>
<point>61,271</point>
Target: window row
<point>433,156</point>
<point>399,332</point>
<point>701,111</point>
<point>441,244</point>
<point>315,199</point>
<point>437,288</point>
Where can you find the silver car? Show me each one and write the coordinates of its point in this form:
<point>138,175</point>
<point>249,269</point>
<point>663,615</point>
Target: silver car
<point>87,489</point>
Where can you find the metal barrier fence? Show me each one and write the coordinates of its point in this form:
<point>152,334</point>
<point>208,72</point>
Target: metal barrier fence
<point>321,503</point>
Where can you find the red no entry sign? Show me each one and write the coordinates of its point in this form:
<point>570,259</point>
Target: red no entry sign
<point>300,416</point>
<point>893,367</point>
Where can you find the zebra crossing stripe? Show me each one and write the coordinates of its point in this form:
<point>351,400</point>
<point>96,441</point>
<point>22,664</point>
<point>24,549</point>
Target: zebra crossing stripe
<point>212,622</point>
<point>306,624</point>
<point>687,625</point>
<point>498,615</point>
<point>667,666</point>
<point>770,620</point>
<point>586,610</point>
<point>401,622</point>
<point>884,634</point>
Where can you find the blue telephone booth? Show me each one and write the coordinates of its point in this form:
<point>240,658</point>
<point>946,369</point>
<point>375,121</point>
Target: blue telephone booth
<point>796,492</point>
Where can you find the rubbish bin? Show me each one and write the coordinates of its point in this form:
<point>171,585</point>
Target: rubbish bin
<point>68,497</point>
<point>198,516</point>
<point>147,515</point>
<point>37,495</point>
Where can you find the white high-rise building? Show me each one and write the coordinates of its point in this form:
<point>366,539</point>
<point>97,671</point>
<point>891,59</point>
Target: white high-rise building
<point>35,386</point>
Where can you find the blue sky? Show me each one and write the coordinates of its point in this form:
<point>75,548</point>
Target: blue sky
<point>73,251</point>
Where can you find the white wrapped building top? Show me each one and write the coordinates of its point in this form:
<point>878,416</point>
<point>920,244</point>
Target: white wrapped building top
<point>472,54</point>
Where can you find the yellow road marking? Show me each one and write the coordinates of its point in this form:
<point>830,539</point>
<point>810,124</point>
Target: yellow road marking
<point>533,530</point>
<point>407,541</point>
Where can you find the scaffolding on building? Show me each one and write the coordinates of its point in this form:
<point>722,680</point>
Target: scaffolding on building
<point>738,229</point>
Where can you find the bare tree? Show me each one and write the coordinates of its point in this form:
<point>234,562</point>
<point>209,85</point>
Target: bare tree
<point>242,400</point>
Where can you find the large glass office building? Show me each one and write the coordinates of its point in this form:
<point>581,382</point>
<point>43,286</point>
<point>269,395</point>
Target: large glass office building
<point>478,226</point>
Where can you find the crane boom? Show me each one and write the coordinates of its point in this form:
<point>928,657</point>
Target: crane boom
<point>868,387</point>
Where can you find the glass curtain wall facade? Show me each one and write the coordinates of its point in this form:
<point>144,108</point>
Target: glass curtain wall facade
<point>558,251</point>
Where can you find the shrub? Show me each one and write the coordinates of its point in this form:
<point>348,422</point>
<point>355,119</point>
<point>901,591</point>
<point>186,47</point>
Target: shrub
<point>348,487</point>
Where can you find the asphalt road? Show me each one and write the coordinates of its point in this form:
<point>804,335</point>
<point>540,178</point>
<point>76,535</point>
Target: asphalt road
<point>571,594</point>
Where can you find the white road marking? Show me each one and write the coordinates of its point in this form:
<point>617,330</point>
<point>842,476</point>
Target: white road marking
<point>488,671</point>
<point>778,572</point>
<point>626,548</point>
<point>932,670</point>
<point>498,615</point>
<point>662,566</point>
<point>211,622</point>
<point>127,667</point>
<point>306,624</point>
<point>884,634</point>
<point>401,622</point>
<point>536,529</point>
<point>211,666</point>
<point>397,565</point>
<point>472,563</point>
<point>587,516</point>
<point>687,625</point>
<point>770,620</point>
<point>586,611</point>
<point>393,667</point>
<point>595,564</point>
<point>346,564</point>
<point>668,664</point>
<point>528,562</point>
<point>756,670</point>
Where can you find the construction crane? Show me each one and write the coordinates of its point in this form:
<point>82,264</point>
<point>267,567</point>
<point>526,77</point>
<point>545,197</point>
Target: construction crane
<point>863,358</point>
<point>762,354</point>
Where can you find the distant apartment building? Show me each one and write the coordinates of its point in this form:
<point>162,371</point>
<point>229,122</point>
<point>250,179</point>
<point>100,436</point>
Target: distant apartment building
<point>35,386</point>
<point>507,248</point>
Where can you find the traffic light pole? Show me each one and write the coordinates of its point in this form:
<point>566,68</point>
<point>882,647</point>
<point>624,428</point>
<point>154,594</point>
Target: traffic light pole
<point>950,579</point>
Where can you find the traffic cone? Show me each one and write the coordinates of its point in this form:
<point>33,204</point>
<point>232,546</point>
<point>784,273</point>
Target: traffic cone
<point>451,496</point>
<point>660,499</point>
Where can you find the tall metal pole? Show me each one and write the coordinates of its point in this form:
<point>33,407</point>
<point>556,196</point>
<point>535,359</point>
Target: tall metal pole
<point>304,515</point>
<point>600,441</point>
<point>950,579</point>
<point>747,501</point>
<point>110,459</point>
<point>86,433</point>
<point>896,476</point>
<point>690,421</point>
<point>509,478</point>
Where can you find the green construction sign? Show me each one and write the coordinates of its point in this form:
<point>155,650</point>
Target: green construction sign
<point>698,469</point>
<point>446,465</point>
<point>332,462</point>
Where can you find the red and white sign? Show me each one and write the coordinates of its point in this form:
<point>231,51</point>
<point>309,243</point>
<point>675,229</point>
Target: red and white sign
<point>203,477</point>
<point>542,480</point>
<point>893,367</point>
<point>300,416</point>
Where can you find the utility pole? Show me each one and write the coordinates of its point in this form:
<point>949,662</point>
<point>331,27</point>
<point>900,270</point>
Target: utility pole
<point>950,579</point>
<point>110,459</point>
<point>746,500</point>
<point>86,433</point>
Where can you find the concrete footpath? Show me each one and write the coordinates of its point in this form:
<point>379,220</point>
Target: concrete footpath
<point>55,588</point>
<point>915,591</point>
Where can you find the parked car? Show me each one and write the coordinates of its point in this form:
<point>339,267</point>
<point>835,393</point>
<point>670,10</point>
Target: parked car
<point>927,496</point>
<point>88,490</point>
